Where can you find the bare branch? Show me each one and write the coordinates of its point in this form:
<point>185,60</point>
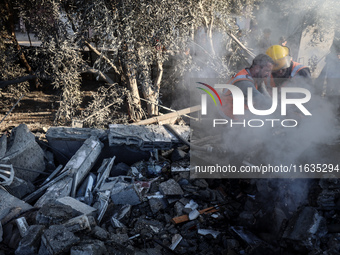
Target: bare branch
<point>19,80</point>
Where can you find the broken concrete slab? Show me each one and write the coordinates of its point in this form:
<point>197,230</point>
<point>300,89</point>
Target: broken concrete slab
<point>77,167</point>
<point>24,153</point>
<point>91,247</point>
<point>66,141</point>
<point>146,137</point>
<point>157,204</point>
<point>9,203</point>
<point>50,214</point>
<point>30,243</point>
<point>20,188</point>
<point>56,240</point>
<point>22,225</point>
<point>304,230</point>
<point>80,223</point>
<point>170,188</point>
<point>124,193</point>
<point>78,207</point>
<point>61,188</point>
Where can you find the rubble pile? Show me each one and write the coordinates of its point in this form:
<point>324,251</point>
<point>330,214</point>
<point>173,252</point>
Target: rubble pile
<point>129,191</point>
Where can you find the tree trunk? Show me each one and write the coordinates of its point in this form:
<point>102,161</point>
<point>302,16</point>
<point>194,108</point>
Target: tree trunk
<point>133,102</point>
<point>14,39</point>
<point>157,87</point>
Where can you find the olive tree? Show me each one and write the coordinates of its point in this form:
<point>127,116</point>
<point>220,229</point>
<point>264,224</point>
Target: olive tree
<point>131,38</point>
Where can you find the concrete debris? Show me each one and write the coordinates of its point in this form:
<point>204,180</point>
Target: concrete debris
<point>192,205</point>
<point>91,247</point>
<point>80,223</point>
<point>22,225</point>
<point>146,137</point>
<point>78,207</point>
<point>53,214</point>
<point>11,206</point>
<point>24,153</point>
<point>170,188</point>
<point>205,232</point>
<point>128,190</point>
<point>176,239</point>
<point>67,141</point>
<point>102,203</point>
<point>124,193</point>
<point>193,214</point>
<point>57,239</point>
<point>30,243</point>
<point>305,229</point>
<point>77,168</point>
<point>20,188</point>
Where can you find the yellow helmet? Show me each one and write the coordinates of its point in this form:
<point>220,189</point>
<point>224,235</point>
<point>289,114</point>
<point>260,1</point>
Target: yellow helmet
<point>280,56</point>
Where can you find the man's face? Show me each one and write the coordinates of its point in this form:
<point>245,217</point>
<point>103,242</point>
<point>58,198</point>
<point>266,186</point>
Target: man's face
<point>265,71</point>
<point>280,73</point>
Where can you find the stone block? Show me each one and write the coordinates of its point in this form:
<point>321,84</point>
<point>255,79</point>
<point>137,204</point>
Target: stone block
<point>57,240</point>
<point>170,188</point>
<point>78,207</point>
<point>9,204</point>
<point>93,247</point>
<point>51,214</point>
<point>30,243</point>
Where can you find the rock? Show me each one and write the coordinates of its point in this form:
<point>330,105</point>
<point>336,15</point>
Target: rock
<point>202,183</point>
<point>120,238</point>
<point>10,205</point>
<point>124,193</point>
<point>80,223</point>
<point>157,204</point>
<point>91,247</point>
<point>57,239</point>
<point>78,207</point>
<point>170,187</point>
<point>30,243</point>
<point>51,214</point>
<point>193,214</point>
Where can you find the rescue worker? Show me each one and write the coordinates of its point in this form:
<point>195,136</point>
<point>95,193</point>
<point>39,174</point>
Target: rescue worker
<point>253,78</point>
<point>284,68</point>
